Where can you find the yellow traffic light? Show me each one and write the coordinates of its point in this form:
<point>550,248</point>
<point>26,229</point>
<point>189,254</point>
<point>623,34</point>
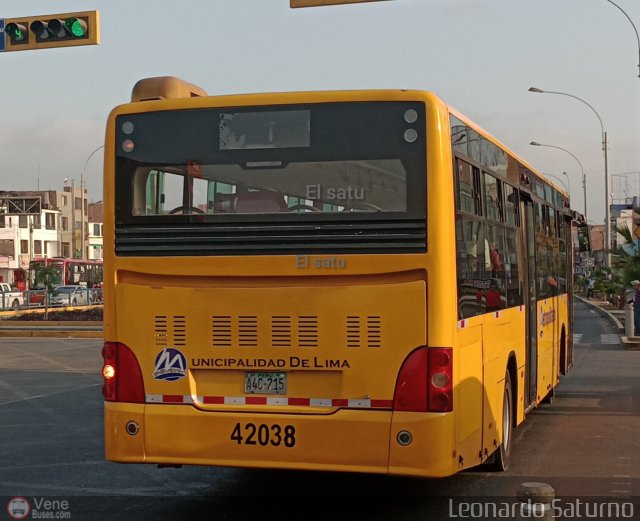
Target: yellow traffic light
<point>314,3</point>
<point>53,30</point>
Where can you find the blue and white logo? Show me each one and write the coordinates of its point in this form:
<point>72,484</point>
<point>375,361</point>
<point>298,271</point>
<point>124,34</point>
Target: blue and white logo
<point>171,365</point>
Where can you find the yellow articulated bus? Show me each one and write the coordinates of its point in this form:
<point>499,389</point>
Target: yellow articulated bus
<point>358,281</point>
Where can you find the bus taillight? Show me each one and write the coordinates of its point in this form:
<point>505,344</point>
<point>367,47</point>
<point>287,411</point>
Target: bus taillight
<point>440,378</point>
<point>425,381</point>
<point>411,385</point>
<point>122,376</point>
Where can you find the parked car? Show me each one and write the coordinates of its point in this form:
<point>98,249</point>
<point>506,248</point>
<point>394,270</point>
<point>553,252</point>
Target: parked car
<point>35,297</point>
<point>96,295</point>
<point>9,298</point>
<point>70,296</point>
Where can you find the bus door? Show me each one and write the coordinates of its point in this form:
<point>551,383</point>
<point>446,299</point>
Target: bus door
<point>530,300</point>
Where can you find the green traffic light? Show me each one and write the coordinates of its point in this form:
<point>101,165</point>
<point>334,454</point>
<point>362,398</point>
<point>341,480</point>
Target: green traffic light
<point>76,27</point>
<point>16,32</point>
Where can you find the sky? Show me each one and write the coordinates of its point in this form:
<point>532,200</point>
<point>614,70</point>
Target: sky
<point>480,56</point>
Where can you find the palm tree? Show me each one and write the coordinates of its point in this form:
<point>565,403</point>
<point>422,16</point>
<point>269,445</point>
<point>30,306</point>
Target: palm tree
<point>627,258</point>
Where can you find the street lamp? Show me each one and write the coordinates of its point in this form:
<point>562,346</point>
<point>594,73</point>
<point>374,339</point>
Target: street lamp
<point>564,185</point>
<point>569,182</point>
<point>634,28</point>
<point>607,225</point>
<point>584,179</point>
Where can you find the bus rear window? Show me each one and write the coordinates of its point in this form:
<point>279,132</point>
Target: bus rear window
<point>378,185</point>
<point>292,163</point>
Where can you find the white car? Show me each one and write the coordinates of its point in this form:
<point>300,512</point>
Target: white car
<point>69,296</point>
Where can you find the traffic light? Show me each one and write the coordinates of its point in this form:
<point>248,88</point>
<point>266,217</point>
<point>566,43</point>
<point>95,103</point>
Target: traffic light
<point>314,3</point>
<point>55,30</point>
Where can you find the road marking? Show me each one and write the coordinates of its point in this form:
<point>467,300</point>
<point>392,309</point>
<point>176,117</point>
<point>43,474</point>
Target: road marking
<point>577,337</point>
<point>609,339</point>
<point>48,360</point>
<point>24,397</point>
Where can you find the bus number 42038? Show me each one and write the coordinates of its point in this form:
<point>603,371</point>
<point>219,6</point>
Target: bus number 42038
<point>263,435</point>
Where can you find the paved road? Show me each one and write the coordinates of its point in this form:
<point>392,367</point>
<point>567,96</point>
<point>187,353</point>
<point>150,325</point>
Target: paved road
<point>586,443</point>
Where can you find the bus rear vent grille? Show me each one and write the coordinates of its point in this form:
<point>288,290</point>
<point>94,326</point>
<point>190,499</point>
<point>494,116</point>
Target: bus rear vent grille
<point>170,331</point>
<point>221,330</point>
<point>272,238</point>
<point>247,330</point>
<point>364,331</point>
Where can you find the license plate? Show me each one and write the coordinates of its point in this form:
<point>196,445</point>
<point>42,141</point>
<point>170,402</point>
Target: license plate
<point>265,383</point>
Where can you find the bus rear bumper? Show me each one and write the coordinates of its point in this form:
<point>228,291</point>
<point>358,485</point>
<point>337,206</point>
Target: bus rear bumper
<point>346,440</point>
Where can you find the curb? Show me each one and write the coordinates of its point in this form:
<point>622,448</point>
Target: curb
<point>604,312</point>
<point>51,329</point>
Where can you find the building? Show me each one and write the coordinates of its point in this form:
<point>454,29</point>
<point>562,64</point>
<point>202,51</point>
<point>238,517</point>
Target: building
<point>23,237</point>
<point>60,230</point>
<point>74,218</point>
<point>94,246</point>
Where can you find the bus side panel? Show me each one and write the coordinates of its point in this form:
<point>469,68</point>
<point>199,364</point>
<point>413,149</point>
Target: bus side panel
<point>498,343</point>
<point>468,394</point>
<point>518,346</point>
<point>547,340</point>
<point>563,324</point>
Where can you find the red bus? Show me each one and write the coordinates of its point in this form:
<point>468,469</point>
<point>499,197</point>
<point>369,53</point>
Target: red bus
<point>82,272</point>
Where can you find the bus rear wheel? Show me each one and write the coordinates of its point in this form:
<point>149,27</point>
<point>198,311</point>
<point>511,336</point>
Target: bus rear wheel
<point>500,459</point>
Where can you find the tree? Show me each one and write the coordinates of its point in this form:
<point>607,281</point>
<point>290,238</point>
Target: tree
<point>48,276</point>
<point>627,259</point>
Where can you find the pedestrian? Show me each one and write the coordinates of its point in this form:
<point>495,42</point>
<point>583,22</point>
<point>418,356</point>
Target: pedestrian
<point>590,285</point>
<point>636,306</point>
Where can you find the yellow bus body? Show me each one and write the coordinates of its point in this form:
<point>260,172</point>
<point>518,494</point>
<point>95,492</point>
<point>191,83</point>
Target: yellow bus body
<point>160,301</point>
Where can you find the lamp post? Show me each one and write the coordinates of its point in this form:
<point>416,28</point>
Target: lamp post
<point>584,180</point>
<point>634,28</point>
<point>607,225</point>
<point>82,241</point>
<point>569,182</point>
<point>564,185</point>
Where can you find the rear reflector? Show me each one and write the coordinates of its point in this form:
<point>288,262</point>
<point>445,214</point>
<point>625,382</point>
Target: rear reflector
<point>122,376</point>
<point>411,385</point>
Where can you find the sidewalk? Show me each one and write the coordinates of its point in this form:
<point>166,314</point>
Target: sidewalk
<point>586,443</point>
<point>617,316</point>
<point>605,308</point>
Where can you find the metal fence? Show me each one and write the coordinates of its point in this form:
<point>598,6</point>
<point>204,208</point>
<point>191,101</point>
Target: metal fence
<point>80,296</point>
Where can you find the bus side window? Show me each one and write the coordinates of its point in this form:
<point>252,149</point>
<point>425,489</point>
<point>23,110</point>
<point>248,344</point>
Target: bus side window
<point>200,196</point>
<point>468,188</point>
<point>512,272</point>
<point>493,197</point>
<point>465,187</point>
<point>511,206</point>
<point>471,265</point>
<point>172,194</point>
